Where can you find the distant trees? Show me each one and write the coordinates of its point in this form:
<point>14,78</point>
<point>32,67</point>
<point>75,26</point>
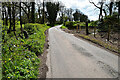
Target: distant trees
<point>69,13</point>
<point>79,16</point>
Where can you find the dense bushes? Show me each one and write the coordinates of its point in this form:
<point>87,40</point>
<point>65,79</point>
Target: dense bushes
<point>19,56</point>
<point>18,62</point>
<point>72,25</point>
<point>63,27</point>
<point>32,28</point>
<point>36,41</point>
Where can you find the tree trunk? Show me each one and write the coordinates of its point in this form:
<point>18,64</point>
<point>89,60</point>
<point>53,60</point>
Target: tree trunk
<point>33,12</point>
<point>39,13</point>
<point>6,18</point>
<point>110,9</point>
<point>109,30</point>
<point>87,32</point>
<point>28,15</point>
<point>20,19</point>
<point>3,12</point>
<point>95,31</point>
<point>9,13</point>
<point>13,14</point>
<point>100,15</point>
<point>43,13</point>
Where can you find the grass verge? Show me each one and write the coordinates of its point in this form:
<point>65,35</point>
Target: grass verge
<point>99,42</point>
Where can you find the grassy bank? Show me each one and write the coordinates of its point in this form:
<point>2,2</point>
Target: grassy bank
<point>20,56</point>
<point>99,42</point>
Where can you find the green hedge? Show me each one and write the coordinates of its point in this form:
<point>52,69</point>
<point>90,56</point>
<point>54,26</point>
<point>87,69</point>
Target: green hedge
<point>19,57</point>
<point>72,25</point>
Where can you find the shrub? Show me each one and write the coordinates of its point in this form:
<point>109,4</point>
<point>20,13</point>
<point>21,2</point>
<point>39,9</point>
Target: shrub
<point>32,28</point>
<point>70,24</point>
<point>63,27</point>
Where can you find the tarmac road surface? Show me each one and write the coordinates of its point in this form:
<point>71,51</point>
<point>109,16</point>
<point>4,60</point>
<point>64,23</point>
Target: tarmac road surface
<point>71,57</point>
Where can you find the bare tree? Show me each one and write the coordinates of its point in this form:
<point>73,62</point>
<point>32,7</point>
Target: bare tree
<point>100,8</point>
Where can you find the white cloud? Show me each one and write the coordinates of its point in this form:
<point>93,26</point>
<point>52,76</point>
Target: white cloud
<point>84,6</point>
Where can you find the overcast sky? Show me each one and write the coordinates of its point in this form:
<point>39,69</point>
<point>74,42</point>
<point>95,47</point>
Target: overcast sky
<point>84,6</point>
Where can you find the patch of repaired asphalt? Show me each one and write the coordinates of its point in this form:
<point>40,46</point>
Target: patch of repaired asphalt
<point>108,69</point>
<point>82,50</point>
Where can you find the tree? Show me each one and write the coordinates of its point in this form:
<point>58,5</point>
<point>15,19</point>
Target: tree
<point>39,4</point>
<point>52,10</point>
<point>3,10</point>
<point>100,8</point>
<point>83,18</point>
<point>9,13</point>
<point>76,16</point>
<point>33,12</point>
<point>79,16</point>
<point>69,13</point>
<point>43,14</point>
<point>20,18</point>
<point>62,12</point>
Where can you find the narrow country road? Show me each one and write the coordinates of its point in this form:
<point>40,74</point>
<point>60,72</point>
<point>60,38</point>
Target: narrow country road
<point>71,57</point>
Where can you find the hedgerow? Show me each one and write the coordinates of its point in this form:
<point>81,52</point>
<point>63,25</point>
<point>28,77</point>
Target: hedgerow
<point>19,57</point>
<point>72,25</point>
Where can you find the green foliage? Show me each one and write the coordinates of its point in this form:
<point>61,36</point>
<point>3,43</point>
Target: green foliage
<point>72,25</point>
<point>109,21</point>
<point>32,28</point>
<point>19,56</point>
<point>18,60</point>
<point>63,27</point>
<point>82,23</point>
<point>93,23</point>
<point>36,41</point>
<point>69,24</point>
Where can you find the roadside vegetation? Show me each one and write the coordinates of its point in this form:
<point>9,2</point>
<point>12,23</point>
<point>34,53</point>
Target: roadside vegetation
<point>24,36</point>
<point>20,55</point>
<point>63,27</point>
